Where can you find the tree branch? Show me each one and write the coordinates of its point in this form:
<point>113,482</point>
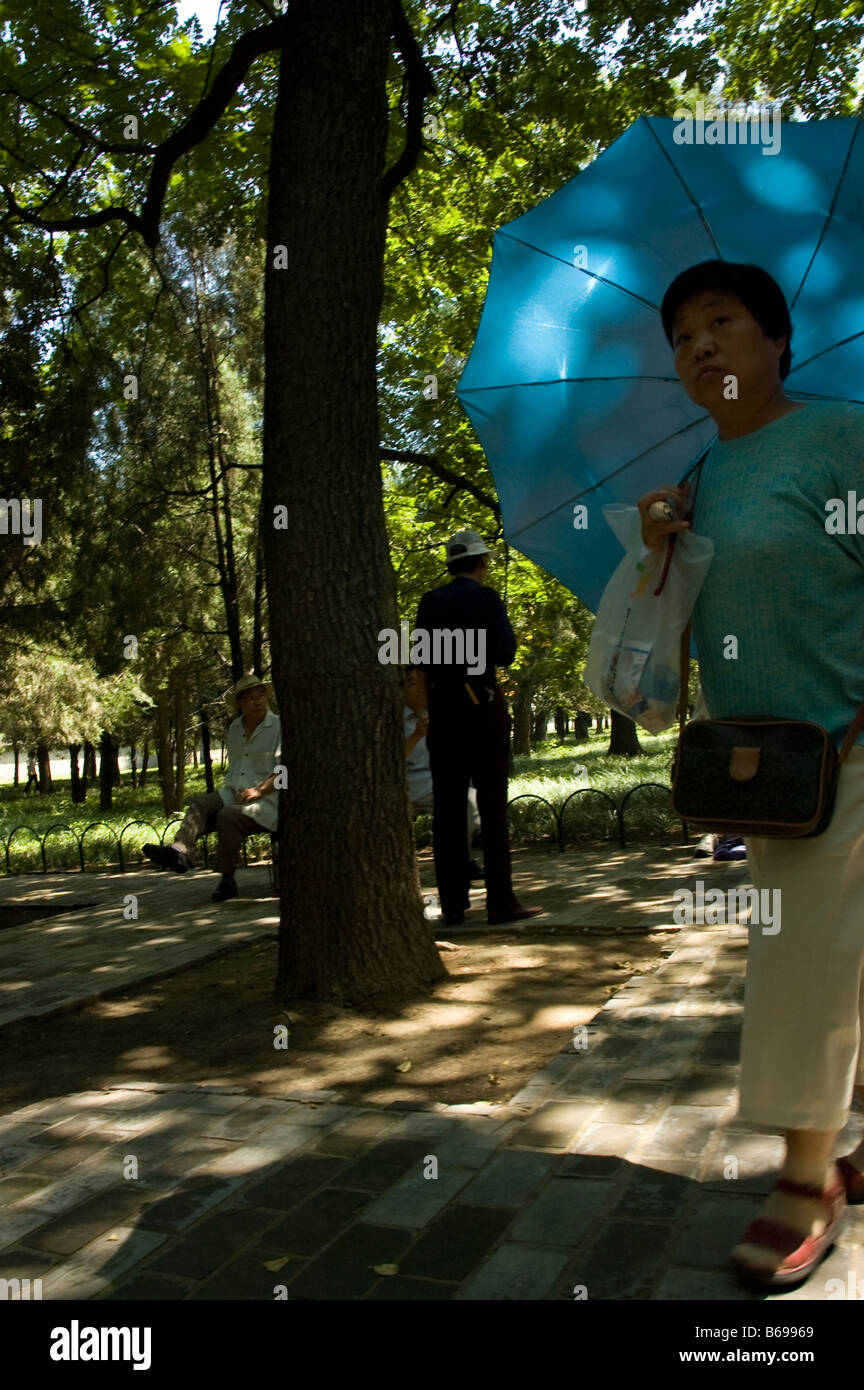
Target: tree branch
<point>198,125</point>
<point>446,475</point>
<point>420,85</point>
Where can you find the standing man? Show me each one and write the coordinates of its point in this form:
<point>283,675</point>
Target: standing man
<point>248,802</point>
<point>469,728</point>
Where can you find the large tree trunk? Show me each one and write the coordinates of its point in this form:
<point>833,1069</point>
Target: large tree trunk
<point>89,773</point>
<point>258,613</point>
<point>352,922</point>
<point>43,758</point>
<point>623,739</point>
<point>79,788</point>
<point>541,718</point>
<point>204,730</point>
<point>561,723</point>
<point>107,754</point>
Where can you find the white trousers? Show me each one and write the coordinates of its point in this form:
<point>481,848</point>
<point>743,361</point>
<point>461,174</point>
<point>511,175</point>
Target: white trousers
<point>801,1045</point>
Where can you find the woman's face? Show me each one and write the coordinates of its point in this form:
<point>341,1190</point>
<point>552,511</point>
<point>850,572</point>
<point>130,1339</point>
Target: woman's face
<point>715,337</point>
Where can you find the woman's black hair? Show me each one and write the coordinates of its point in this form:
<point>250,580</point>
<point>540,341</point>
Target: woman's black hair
<point>752,285</point>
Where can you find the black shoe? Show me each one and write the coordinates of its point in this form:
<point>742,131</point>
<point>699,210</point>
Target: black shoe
<point>454,919</point>
<point>227,889</point>
<point>168,858</point>
<point>475,870</point>
<point>519,914</point>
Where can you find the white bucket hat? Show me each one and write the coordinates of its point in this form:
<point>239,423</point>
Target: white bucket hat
<point>249,682</point>
<point>466,543</point>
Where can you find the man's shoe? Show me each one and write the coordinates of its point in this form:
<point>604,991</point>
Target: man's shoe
<point>519,914</point>
<point>454,919</point>
<point>168,858</point>
<point>227,889</point>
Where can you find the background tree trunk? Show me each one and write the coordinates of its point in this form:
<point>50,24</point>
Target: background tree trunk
<point>107,755</point>
<point>145,758</point>
<point>352,922</point>
<point>522,720</point>
<point>623,739</point>
<point>561,723</point>
<point>79,788</point>
<point>16,751</point>
<point>89,773</point>
<point>133,766</point>
<point>541,719</point>
<point>163,745</point>
<point>181,710</point>
<point>43,759</point>
<point>204,731</point>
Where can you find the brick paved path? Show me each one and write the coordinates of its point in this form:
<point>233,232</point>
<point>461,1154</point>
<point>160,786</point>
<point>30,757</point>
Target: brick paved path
<point>618,1169</point>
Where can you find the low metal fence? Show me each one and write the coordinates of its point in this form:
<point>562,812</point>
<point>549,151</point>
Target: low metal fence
<point>122,855</point>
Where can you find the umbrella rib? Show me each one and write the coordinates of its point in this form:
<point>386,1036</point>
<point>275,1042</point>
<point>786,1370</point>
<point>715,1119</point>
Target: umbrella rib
<point>557,380</point>
<point>613,284</point>
<point>828,219</point>
<point>600,482</point>
<point>706,224</point>
<point>842,343</point>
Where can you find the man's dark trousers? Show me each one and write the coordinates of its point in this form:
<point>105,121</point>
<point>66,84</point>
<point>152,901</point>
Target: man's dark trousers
<point>466,742</point>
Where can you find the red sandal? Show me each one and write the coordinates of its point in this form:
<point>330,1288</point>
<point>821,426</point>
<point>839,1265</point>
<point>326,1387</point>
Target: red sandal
<point>800,1256</point>
<point>854,1181</point>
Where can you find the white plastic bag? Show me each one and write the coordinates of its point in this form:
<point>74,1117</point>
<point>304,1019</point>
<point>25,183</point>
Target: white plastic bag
<point>634,658</point>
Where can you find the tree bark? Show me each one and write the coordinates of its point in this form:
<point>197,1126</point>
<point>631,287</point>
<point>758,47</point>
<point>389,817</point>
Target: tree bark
<point>561,723</point>
<point>181,710</point>
<point>623,740</point>
<point>89,762</point>
<point>43,759</point>
<point>133,765</point>
<point>107,754</point>
<point>541,719</point>
<point>352,923</point>
<point>145,758</point>
<point>79,788</point>
<point>522,720</point>
<point>163,745</point>
<point>204,730</point>
<point>258,612</point>
<point>16,750</point>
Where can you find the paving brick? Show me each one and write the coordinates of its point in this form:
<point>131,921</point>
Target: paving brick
<point>624,1262</point>
<point>355,1136</point>
<point>15,1224</point>
<point>180,1209</point>
<point>589,1166</point>
<point>715,1226</point>
<point>423,1125</point>
<point>703,1086</point>
<point>99,1265</point>
<point>317,1221</point>
<point>554,1125</point>
<point>631,1103</point>
<point>245,1279</point>
<point>265,1148</point>
<point>719,1048</point>
<point>147,1288</point>
<point>654,1195</point>
<point>211,1242</point>
<point>409,1290</point>
<point>684,1129</point>
<point>616,1140</point>
<point>562,1213</point>
<point>20,1262</point>
<point>239,1124</point>
<point>65,1157</point>
<point>507,1180</point>
<point>704,1286</point>
<point>515,1273</point>
<point>67,1233</point>
<point>384,1164</point>
<point>456,1243</point>
<point>293,1182</point>
<point>12,1189</point>
<point>472,1147</point>
<point>345,1269</point>
<point>415,1199</point>
<point>179,1160</point>
<point>744,1161</point>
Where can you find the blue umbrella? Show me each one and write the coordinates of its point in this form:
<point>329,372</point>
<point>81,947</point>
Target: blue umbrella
<point>570,383</point>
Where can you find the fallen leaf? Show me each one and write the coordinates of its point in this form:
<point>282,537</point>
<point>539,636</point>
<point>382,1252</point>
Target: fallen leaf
<point>275,1265</point>
<point>112,1237</point>
<point>404,1066</point>
<point>385,1269</point>
<point>492,1077</point>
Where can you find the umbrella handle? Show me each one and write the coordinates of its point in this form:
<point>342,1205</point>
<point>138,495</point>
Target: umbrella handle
<point>664,576</point>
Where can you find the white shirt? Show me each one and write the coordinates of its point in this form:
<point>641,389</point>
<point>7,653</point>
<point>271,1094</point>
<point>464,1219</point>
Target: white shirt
<point>250,762</point>
<point>417,761</point>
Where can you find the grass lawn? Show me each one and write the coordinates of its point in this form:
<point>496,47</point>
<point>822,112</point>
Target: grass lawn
<point>553,772</point>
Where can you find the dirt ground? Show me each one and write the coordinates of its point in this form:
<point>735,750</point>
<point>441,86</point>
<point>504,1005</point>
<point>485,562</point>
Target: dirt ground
<point>509,1004</point>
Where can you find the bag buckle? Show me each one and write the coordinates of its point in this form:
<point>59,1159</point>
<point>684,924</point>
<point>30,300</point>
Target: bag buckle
<point>744,763</point>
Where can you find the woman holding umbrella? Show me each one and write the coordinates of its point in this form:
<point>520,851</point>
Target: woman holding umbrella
<point>792,594</point>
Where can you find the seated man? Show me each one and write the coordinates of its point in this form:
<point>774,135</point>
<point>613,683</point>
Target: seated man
<point>246,804</point>
<point>417,761</point>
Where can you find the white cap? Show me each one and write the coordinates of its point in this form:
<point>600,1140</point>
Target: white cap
<point>466,543</point>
